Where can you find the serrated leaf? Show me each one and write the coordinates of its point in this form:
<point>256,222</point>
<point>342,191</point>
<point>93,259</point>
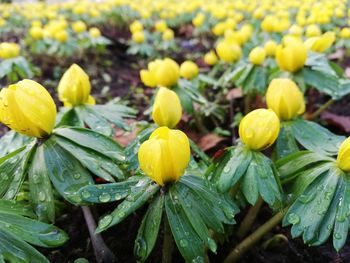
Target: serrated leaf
<point>149,229</point>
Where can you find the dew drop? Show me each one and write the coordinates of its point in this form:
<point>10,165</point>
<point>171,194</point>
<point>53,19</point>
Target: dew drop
<point>104,197</point>
<point>293,218</point>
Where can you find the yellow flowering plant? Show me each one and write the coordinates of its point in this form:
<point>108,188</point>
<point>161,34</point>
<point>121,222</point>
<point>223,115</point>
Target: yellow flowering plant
<point>80,107</point>
<point>60,159</point>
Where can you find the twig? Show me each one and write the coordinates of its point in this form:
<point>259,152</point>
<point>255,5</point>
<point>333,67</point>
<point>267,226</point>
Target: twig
<point>102,253</point>
<point>320,110</point>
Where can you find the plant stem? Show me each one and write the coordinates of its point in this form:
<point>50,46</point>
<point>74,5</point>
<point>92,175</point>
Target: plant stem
<point>102,253</point>
<point>252,239</point>
<point>168,244</point>
<point>247,103</point>
<point>320,110</point>
<point>249,218</point>
<point>199,122</point>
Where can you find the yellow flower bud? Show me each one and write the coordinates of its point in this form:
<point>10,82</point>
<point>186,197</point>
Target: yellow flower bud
<point>168,34</point>
<point>257,56</point>
<point>313,31</point>
<point>167,110</point>
<point>138,37</point>
<point>165,155</point>
<point>291,57</point>
<point>198,20</point>
<point>74,87</point>
<point>343,159</point>
<point>94,32</point>
<point>345,33</point>
<point>79,26</point>
<point>160,26</point>
<point>61,36</point>
<point>148,78</point>
<point>321,43</point>
<point>28,108</point>
<point>136,26</point>
<point>270,48</point>
<point>259,129</point>
<point>285,99</point>
<point>189,70</point>
<point>219,29</point>
<point>228,52</point>
<point>210,58</point>
<point>36,32</point>
<point>296,30</point>
<point>269,24</point>
<point>9,50</point>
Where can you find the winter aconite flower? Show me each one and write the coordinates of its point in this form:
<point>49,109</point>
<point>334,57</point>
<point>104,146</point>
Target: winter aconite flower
<point>165,155</point>
<point>321,43</point>
<point>228,52</point>
<point>291,57</point>
<point>165,72</point>
<point>259,129</point>
<point>257,56</point>
<point>189,70</point>
<point>343,159</point>
<point>9,50</point>
<point>285,99</point>
<point>74,87</point>
<point>210,58</point>
<point>167,110</point>
<point>28,108</point>
<point>270,48</point>
<point>138,37</point>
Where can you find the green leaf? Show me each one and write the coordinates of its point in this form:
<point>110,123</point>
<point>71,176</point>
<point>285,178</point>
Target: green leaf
<point>94,120</point>
<point>98,164</point>
<point>13,249</point>
<point>40,187</point>
<point>256,82</point>
<point>102,193</point>
<point>139,195</point>
<point>66,172</point>
<point>16,208</point>
<point>185,99</point>
<point>186,239</point>
<point>69,117</point>
<point>286,143</point>
<point>234,168</point>
<point>316,138</point>
<point>33,231</point>
<point>149,229</point>
<point>12,141</point>
<point>94,141</point>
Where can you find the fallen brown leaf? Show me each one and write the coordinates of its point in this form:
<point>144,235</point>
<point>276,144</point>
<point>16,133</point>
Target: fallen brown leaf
<point>342,122</point>
<point>234,94</point>
<point>209,141</point>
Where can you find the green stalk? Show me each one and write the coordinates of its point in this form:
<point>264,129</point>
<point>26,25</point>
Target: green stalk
<point>320,110</point>
<point>252,239</point>
<point>168,243</point>
<point>249,219</point>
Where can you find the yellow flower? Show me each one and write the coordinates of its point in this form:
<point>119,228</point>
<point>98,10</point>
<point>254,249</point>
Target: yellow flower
<point>28,108</point>
<point>160,26</point>
<point>189,70</point>
<point>259,129</point>
<point>167,110</point>
<point>228,52</point>
<point>61,36</point>
<point>168,34</point>
<point>291,57</point>
<point>9,50</point>
<point>296,30</point>
<point>270,48</point>
<point>94,32</point>
<point>257,56</point>
<point>313,31</point>
<point>36,32</point>
<point>269,24</point>
<point>321,43</point>
<point>138,37</point>
<point>79,26</point>
<point>345,33</point>
<point>165,155</point>
<point>136,26</point>
<point>343,159</point>
<point>210,58</point>
<point>198,20</point>
<point>74,87</point>
<point>164,73</point>
<point>285,99</point>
